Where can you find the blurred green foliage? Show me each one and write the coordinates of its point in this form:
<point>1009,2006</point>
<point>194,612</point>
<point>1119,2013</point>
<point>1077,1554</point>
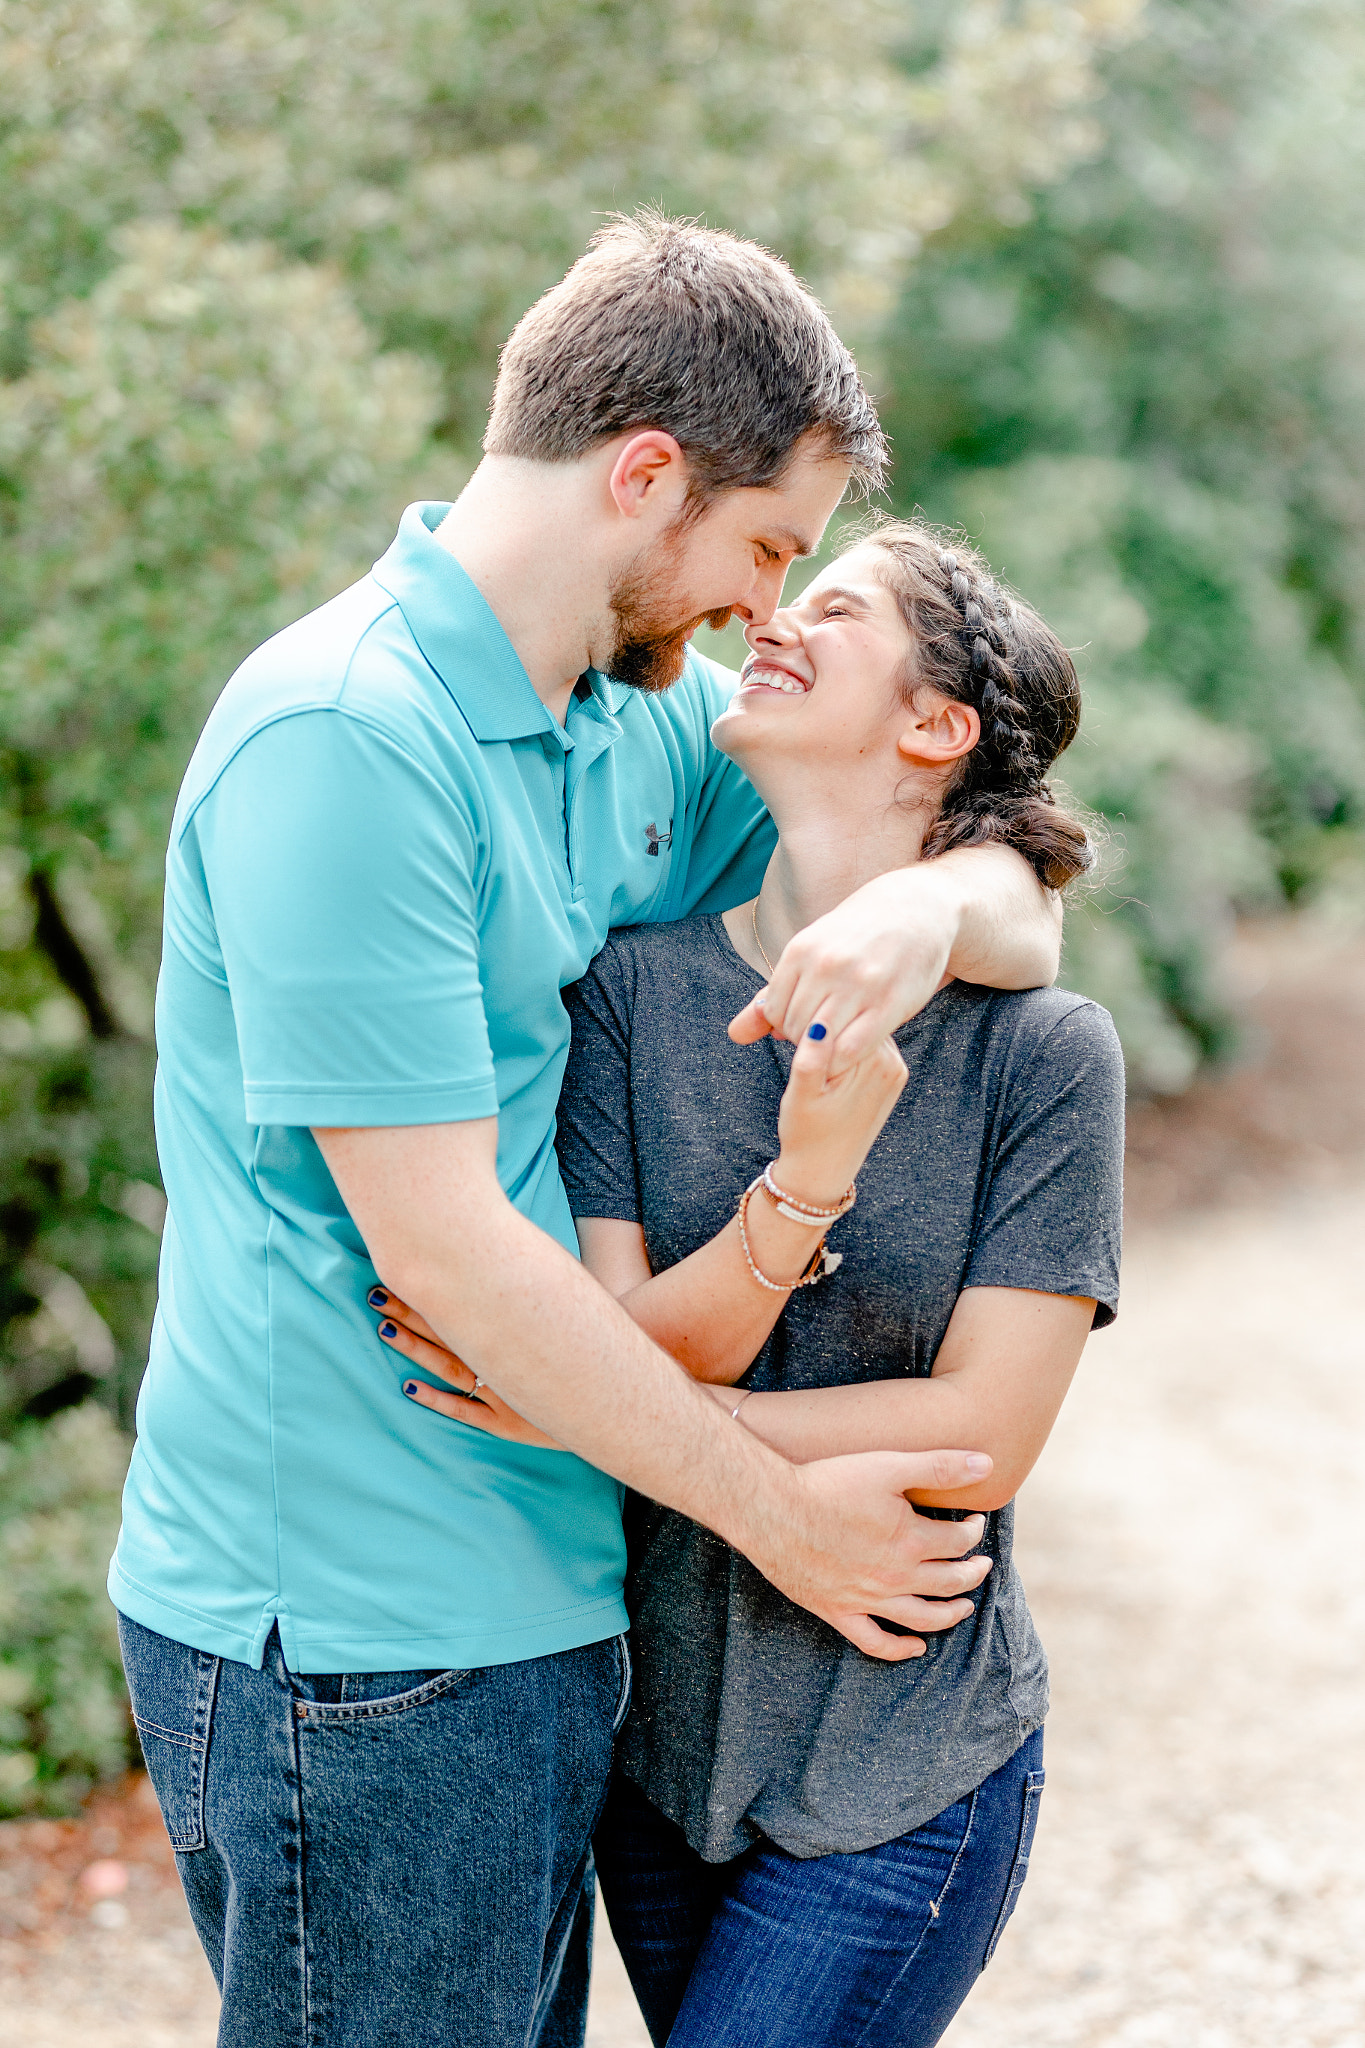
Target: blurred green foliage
<point>63,1717</point>
<point>255,264</point>
<point>1148,399</point>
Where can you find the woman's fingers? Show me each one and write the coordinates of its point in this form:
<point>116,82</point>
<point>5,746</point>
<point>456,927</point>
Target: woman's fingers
<point>482,1409</point>
<point>394,1309</point>
<point>431,1357</point>
<point>459,1407</point>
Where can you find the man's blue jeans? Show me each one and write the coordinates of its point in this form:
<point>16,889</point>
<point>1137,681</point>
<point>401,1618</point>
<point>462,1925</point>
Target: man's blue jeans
<point>385,1860</point>
<point>874,1950</point>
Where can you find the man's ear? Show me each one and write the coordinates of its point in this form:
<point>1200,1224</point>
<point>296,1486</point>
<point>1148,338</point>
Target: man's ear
<point>648,475</point>
<point>938,730</point>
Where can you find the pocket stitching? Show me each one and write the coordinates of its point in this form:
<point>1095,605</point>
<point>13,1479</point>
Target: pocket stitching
<point>328,1712</point>
<point>623,1702</point>
<point>1023,1850</point>
<point>185,1840</point>
<point>167,1734</point>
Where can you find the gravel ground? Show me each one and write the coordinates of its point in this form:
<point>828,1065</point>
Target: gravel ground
<point>1191,1544</point>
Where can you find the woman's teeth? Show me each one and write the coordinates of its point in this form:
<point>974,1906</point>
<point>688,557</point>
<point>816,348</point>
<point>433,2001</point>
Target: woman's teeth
<point>778,679</point>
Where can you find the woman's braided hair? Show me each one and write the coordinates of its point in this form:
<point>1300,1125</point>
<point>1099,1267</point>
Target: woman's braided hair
<point>979,644</point>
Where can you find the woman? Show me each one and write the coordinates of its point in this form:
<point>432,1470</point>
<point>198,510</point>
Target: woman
<point>804,1845</point>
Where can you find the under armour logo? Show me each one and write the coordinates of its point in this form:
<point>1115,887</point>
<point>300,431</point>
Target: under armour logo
<point>657,838</point>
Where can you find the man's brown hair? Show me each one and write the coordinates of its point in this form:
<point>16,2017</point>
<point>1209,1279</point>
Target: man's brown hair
<point>712,339</point>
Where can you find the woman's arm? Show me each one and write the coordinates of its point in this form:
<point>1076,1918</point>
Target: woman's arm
<point>998,1382</point>
<point>709,1311</point>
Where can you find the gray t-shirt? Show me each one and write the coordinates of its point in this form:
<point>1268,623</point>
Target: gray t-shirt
<point>999,1167</point>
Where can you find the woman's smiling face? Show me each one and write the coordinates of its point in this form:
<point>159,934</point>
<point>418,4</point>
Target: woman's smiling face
<point>823,675</point>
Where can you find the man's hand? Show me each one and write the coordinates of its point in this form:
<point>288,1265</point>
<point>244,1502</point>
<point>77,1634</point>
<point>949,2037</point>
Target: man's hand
<point>864,1553</point>
<point>979,914</point>
<point>511,1306</point>
<point>855,1549</point>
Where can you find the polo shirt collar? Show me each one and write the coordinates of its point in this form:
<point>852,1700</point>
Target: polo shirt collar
<point>458,631</point>
<point>610,694</point>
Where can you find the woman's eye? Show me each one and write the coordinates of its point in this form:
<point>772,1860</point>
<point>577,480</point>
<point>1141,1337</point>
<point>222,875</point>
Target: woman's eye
<point>835,611</point>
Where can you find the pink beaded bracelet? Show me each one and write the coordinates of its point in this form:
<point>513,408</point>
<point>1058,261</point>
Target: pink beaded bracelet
<point>822,1262</point>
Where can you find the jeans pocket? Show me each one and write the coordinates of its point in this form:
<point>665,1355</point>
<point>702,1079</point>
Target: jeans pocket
<point>173,1689</point>
<point>370,1695</point>
<point>1028,1825</point>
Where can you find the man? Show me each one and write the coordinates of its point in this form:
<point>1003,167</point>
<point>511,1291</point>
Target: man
<point>375,1656</point>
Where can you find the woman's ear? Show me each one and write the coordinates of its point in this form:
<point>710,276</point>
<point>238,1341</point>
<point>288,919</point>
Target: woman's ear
<point>938,730</point>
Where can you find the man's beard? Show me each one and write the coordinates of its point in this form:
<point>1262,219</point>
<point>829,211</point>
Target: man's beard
<point>650,647</point>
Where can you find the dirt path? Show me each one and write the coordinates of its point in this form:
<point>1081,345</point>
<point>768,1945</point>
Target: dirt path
<point>1191,1544</point>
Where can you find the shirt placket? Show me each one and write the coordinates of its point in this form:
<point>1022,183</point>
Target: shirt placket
<point>592,731</point>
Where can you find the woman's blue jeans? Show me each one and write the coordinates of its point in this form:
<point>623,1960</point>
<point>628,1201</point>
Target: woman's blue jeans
<point>386,1859</point>
<point>874,1950</point>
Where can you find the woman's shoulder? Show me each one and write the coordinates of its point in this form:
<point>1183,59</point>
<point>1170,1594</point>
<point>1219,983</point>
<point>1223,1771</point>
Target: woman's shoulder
<point>1043,1023</point>
<point>677,949</point>
<point>1035,1011</point>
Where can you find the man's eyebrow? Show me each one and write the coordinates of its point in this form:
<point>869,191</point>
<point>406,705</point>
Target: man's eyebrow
<point>785,540</point>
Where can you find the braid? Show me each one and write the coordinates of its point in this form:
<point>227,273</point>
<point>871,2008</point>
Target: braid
<point>1006,742</point>
<point>975,642</point>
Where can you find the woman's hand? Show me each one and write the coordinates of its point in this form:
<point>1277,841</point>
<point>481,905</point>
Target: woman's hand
<point>826,1127</point>
<point>475,1404</point>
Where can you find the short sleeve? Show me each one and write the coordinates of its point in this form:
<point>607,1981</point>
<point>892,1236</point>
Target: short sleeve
<point>341,880</point>
<point>1052,1215</point>
<point>596,1134</point>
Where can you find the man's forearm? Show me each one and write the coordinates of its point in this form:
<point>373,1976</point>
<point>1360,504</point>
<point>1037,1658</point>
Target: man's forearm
<point>519,1309</point>
<point>1008,927</point>
<point>836,1536</point>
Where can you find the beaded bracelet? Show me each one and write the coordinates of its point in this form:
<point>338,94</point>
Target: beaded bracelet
<point>797,1211</point>
<point>822,1262</point>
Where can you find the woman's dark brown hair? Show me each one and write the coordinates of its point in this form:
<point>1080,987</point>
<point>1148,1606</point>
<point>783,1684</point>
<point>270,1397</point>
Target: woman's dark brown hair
<point>979,644</point>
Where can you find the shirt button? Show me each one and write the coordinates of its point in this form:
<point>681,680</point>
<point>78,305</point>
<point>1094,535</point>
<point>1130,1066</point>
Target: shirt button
<point>578,895</point>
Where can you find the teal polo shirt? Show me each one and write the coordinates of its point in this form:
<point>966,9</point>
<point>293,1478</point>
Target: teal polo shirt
<point>387,861</point>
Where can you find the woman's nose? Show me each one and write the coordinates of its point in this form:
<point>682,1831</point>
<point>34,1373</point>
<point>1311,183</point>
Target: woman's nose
<point>778,631</point>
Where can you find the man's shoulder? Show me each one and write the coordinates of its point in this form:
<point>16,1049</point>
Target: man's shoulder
<point>310,664</point>
<point>354,656</point>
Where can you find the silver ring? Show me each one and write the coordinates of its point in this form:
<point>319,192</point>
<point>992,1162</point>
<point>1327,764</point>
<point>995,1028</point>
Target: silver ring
<point>475,1388</point>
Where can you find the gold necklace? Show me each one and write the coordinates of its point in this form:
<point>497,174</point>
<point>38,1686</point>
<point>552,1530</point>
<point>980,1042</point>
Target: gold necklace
<point>758,942</point>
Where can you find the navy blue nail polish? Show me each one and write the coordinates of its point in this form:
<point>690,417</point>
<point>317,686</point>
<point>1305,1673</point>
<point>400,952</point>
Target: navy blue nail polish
<point>409,1386</point>
<point>388,1329</point>
<point>816,1031</point>
<point>377,1298</point>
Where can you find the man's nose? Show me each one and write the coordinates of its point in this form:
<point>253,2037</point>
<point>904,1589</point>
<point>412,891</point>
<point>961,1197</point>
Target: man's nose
<point>760,607</point>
